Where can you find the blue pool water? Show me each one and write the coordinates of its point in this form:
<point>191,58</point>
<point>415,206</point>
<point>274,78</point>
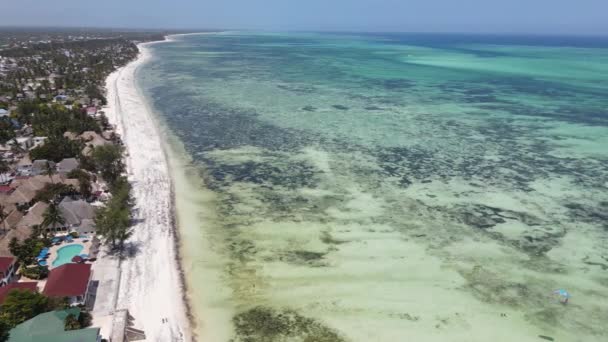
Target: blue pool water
<point>66,253</point>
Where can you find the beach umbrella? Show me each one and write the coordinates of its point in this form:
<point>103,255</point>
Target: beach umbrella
<point>42,263</point>
<point>77,259</point>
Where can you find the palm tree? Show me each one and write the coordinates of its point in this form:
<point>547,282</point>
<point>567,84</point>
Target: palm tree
<point>4,168</point>
<point>49,170</point>
<point>52,218</point>
<point>16,147</point>
<point>3,216</point>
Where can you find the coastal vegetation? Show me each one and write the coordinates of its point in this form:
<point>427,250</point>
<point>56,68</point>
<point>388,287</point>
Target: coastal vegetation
<point>56,148</point>
<point>114,220</point>
<point>55,119</point>
<point>107,160</point>
<point>26,251</point>
<point>21,305</point>
<point>52,217</point>
<point>84,181</point>
<point>52,191</point>
<point>83,320</point>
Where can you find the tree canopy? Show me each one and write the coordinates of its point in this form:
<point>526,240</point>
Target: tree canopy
<point>26,251</point>
<point>108,161</point>
<point>114,220</point>
<point>21,305</point>
<point>57,148</point>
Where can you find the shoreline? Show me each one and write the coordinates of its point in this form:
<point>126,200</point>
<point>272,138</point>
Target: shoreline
<point>177,237</point>
<point>138,276</point>
<point>210,315</point>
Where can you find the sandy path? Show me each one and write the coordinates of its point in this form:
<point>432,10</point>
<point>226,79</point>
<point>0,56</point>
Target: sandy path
<point>149,285</point>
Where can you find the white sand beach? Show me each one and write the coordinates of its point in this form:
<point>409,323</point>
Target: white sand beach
<point>147,283</point>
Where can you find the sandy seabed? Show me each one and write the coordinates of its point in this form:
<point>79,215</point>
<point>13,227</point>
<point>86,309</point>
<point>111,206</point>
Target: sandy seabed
<point>373,283</point>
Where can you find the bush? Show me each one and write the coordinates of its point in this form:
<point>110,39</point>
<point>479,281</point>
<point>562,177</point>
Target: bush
<point>72,323</point>
<point>85,319</point>
<point>37,272</point>
<point>74,235</point>
<point>21,305</point>
<point>108,161</point>
<point>26,251</point>
<point>52,191</point>
<point>56,148</point>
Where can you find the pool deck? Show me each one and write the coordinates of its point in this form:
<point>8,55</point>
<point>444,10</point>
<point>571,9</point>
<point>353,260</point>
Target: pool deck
<point>53,249</point>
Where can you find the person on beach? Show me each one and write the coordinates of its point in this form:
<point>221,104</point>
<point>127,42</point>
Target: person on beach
<point>563,295</point>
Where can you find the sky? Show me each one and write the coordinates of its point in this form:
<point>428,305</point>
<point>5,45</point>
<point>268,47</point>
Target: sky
<point>479,16</point>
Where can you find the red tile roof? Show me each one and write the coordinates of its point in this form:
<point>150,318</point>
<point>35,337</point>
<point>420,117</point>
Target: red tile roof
<point>5,262</point>
<point>6,189</point>
<point>4,290</point>
<point>68,280</point>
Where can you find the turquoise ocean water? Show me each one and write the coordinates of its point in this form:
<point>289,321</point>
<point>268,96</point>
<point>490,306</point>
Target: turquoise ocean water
<point>376,187</point>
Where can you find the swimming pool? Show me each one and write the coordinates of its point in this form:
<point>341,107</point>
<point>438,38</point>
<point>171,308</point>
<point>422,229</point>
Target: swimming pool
<point>66,253</point>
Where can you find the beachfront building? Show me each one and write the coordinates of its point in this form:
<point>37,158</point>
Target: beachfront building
<point>92,140</point>
<point>50,327</point>
<point>25,143</point>
<point>79,215</point>
<point>27,187</point>
<point>71,281</point>
<point>31,286</point>
<point>34,216</point>
<point>8,266</point>
<point>40,167</point>
<point>67,165</point>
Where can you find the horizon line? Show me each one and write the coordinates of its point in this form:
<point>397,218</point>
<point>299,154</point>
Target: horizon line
<point>201,30</point>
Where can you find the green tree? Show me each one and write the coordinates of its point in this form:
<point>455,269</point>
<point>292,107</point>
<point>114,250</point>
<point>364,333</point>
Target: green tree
<point>26,251</point>
<point>4,168</point>
<point>7,132</point>
<point>16,147</point>
<point>52,218</point>
<point>35,272</point>
<point>4,330</point>
<point>84,182</point>
<point>52,191</point>
<point>72,323</point>
<point>56,148</point>
<point>3,215</point>
<point>21,305</point>
<point>49,170</point>
<point>108,161</point>
<point>113,221</point>
<point>85,319</point>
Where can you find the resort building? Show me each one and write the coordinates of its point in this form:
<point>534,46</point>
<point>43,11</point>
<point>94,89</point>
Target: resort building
<point>31,286</point>
<point>71,281</point>
<point>79,215</point>
<point>92,140</point>
<point>67,165</point>
<point>25,143</point>
<point>50,327</point>
<point>27,187</point>
<point>39,167</point>
<point>34,215</point>
<point>12,220</point>
<point>7,269</point>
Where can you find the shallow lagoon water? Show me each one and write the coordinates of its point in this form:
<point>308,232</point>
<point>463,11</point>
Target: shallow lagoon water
<point>388,187</point>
